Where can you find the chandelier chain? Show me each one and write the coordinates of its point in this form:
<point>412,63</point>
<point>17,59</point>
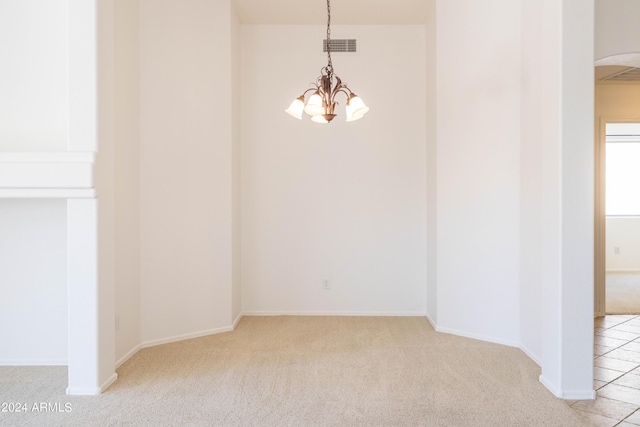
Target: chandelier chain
<point>329,64</point>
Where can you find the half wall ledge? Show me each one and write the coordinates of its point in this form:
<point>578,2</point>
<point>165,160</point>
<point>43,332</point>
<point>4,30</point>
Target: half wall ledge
<point>69,175</point>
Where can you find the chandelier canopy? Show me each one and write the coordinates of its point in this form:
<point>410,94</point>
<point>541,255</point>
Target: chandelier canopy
<point>322,102</point>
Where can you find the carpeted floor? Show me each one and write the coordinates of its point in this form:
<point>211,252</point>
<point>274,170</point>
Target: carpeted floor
<point>623,293</point>
<point>304,371</point>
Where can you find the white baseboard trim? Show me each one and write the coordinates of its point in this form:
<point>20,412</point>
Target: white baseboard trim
<point>188,336</point>
<point>480,337</point>
<point>127,356</point>
<point>337,313</point>
<point>430,320</point>
<point>112,379</point>
<point>92,391</point>
<point>33,362</point>
<point>552,388</point>
<point>235,322</point>
<point>623,270</point>
<point>80,391</point>
<point>579,395</point>
<point>152,343</point>
<point>569,394</point>
<point>531,355</point>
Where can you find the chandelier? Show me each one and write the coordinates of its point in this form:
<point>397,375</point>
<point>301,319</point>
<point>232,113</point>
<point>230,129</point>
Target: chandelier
<point>322,102</point>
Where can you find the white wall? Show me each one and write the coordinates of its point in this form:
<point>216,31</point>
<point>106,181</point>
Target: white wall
<point>616,26</point>
<point>127,176</point>
<point>105,185</point>
<point>514,181</point>
<point>344,201</point>
<point>623,233</point>
<point>432,161</point>
<point>33,282</point>
<point>478,157</point>
<point>531,189</point>
<point>33,117</point>
<point>33,79</point>
<point>185,167</point>
<point>236,296</point>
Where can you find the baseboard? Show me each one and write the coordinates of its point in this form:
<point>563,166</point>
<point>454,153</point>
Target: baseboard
<point>112,379</point>
<point>531,355</point>
<point>127,356</point>
<point>555,391</point>
<point>146,344</point>
<point>430,320</point>
<point>579,395</point>
<point>81,391</point>
<point>622,270</point>
<point>33,362</point>
<point>92,391</point>
<point>235,322</point>
<point>480,337</point>
<point>189,336</point>
<point>570,394</point>
<point>337,313</point>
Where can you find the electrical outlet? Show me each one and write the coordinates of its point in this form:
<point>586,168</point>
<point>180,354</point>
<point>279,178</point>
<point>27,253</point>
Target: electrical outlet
<point>616,250</point>
<point>326,284</point>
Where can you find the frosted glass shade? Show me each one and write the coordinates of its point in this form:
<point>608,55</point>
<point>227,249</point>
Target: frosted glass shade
<point>319,119</point>
<point>350,117</point>
<point>314,105</point>
<point>296,108</point>
<point>356,109</point>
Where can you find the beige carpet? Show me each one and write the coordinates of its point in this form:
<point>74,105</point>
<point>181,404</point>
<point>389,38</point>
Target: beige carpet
<point>623,293</point>
<point>305,371</point>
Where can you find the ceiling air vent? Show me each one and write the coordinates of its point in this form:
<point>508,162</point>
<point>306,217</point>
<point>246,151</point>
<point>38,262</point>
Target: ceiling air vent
<point>627,75</point>
<point>340,45</point>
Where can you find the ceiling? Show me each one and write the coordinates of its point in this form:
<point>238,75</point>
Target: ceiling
<point>380,12</point>
<point>343,12</point>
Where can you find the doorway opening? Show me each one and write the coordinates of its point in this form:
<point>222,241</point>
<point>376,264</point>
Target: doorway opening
<point>618,217</point>
<point>622,218</point>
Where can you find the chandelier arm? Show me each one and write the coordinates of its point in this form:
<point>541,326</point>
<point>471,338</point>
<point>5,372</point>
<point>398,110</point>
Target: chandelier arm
<point>309,90</point>
<point>343,91</point>
<point>339,85</point>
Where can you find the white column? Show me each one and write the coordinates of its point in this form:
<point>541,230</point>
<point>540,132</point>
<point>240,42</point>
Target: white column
<point>84,340</point>
<point>577,199</point>
<point>567,123</point>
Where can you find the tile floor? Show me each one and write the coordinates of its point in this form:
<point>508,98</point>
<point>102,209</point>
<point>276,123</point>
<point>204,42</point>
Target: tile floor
<point>616,373</point>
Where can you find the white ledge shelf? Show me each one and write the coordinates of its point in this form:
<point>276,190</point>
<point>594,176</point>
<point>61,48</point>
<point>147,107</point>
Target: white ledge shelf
<point>64,174</point>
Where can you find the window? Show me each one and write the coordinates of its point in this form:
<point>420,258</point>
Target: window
<point>623,169</point>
